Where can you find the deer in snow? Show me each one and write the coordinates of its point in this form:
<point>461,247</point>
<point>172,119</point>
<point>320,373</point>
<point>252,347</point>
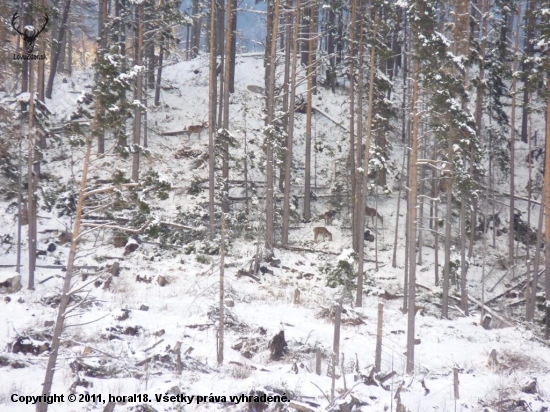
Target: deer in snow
<point>321,231</point>
<point>195,128</point>
<point>372,213</point>
<point>329,216</point>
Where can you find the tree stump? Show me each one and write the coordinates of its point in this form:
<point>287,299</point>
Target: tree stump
<point>493,362</point>
<point>486,323</point>
<point>278,346</point>
<point>318,362</point>
<point>297,296</point>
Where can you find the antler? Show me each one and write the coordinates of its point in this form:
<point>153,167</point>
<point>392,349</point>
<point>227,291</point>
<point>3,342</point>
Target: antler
<point>44,26</point>
<point>14,18</point>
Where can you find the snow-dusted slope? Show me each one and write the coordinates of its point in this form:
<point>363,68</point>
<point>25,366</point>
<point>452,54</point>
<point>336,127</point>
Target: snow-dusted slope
<point>122,342</point>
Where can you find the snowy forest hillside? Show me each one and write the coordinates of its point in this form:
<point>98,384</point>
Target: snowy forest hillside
<point>355,218</point>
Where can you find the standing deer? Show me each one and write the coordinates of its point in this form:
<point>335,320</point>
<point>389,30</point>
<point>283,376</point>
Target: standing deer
<point>328,216</point>
<point>371,212</point>
<point>195,128</point>
<point>321,231</point>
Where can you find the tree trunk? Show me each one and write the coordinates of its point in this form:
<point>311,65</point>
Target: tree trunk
<point>196,34</point>
<point>102,34</point>
<point>528,296</point>
<point>412,226</point>
<point>309,112</point>
<point>66,291</point>
<point>159,72</point>
<point>57,49</point>
<point>304,35</point>
<point>150,45</point>
<point>290,134</point>
<point>212,100</point>
<point>233,54</point>
<point>19,196</point>
<point>397,215</point>
<point>360,199</point>
<point>139,95</point>
<point>479,108</point>
<point>463,262</point>
<point>287,23</point>
<point>222,291</point>
<point>225,124</point>
<point>448,225</point>
<point>331,78</point>
<point>62,54</point>
<point>435,217</point>
<point>270,101</point>
<point>25,72</point>
<point>536,263</point>
<point>32,176</point>
<point>69,53</point>
<point>41,69</point>
<point>527,66</point>
<point>511,257</point>
<point>123,28</point>
<point>547,209</point>
<point>364,177</point>
<point>352,115</point>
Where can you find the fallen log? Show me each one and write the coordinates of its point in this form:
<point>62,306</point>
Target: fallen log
<point>305,249</point>
<point>174,133</point>
<point>517,285</point>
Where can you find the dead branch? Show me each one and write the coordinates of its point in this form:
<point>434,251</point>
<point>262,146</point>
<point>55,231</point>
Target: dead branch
<point>108,189</point>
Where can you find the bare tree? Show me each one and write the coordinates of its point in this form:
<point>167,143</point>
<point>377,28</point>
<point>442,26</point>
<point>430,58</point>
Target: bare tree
<point>364,176</point>
<point>102,35</point>
<point>309,109</point>
<point>547,209</point>
<point>221,291</point>
<point>270,102</point>
<point>196,32</point>
<point>225,108</point>
<point>139,95</point>
<point>56,49</point>
<point>511,235</point>
<point>290,133</point>
<point>66,292</point>
<point>212,116</point>
<point>32,177</point>
<point>352,49</point>
<point>412,225</point>
<point>41,64</point>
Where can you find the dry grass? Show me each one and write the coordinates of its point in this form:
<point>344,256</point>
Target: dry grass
<point>240,371</point>
<point>518,361</point>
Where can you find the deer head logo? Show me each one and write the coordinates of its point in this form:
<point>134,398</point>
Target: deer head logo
<point>29,33</point>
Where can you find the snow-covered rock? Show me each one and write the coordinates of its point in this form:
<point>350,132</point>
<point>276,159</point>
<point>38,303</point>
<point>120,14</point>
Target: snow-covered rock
<point>10,282</point>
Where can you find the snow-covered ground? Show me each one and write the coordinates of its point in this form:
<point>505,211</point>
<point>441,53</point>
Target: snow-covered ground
<point>115,347</point>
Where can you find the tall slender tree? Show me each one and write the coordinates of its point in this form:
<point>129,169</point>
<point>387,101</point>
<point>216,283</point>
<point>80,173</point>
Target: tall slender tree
<point>364,176</point>
<point>290,132</point>
<point>56,49</point>
<point>312,32</point>
<point>270,129</point>
<point>212,104</point>
<point>139,94</point>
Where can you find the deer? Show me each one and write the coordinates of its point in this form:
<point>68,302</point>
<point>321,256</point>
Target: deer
<point>371,212</point>
<point>328,216</point>
<point>321,231</point>
<point>195,128</point>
